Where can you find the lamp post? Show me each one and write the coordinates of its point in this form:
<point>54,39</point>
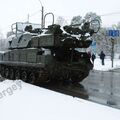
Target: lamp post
<point>42,15</point>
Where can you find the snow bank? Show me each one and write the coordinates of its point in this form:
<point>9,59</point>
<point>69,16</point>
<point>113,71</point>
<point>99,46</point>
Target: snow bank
<point>30,102</point>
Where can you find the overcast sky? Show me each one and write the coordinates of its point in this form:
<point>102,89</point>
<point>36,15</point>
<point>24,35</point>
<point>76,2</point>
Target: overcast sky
<point>12,11</point>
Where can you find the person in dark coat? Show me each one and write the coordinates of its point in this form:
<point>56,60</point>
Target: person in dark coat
<point>89,54</point>
<point>102,57</point>
<point>93,57</point>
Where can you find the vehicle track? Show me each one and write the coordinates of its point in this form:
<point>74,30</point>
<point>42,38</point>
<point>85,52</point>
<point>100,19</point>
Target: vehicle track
<point>75,90</point>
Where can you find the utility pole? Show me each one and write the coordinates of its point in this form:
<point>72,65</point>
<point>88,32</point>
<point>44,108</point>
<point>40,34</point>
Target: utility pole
<point>42,15</point>
<point>113,34</point>
<point>112,51</point>
<point>28,18</point>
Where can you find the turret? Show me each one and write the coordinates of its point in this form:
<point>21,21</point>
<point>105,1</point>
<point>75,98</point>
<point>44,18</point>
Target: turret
<point>30,35</point>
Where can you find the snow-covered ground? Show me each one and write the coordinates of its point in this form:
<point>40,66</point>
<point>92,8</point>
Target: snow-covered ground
<point>22,101</point>
<point>108,64</point>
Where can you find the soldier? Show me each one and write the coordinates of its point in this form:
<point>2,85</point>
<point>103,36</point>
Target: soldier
<point>102,57</point>
<point>93,57</point>
<point>89,54</point>
<point>28,28</point>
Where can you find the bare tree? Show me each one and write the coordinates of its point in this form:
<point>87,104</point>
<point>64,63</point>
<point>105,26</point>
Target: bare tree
<point>2,42</point>
<point>61,21</point>
<point>76,20</point>
<point>92,16</point>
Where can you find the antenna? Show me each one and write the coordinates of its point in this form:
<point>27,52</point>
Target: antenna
<point>28,17</point>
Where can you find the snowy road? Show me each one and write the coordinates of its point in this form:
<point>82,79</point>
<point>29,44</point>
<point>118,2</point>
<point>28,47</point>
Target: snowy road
<point>103,87</point>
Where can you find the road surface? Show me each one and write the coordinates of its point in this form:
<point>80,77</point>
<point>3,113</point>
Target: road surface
<point>104,87</point>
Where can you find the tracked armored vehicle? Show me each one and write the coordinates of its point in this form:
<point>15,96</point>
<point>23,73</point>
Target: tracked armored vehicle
<point>38,55</point>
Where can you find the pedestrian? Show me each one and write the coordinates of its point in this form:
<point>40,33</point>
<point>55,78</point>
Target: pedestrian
<point>93,57</point>
<point>89,54</point>
<point>102,57</point>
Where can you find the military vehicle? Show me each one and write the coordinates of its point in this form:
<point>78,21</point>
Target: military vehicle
<point>55,53</point>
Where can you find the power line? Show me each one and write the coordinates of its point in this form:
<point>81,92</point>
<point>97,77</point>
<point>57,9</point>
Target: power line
<point>67,17</point>
<point>33,14</point>
<point>109,14</point>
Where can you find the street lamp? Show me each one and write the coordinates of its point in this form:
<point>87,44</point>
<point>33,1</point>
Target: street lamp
<point>42,15</point>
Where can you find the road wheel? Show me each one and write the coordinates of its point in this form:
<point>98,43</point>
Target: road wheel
<point>11,75</point>
<point>24,76</point>
<point>6,72</point>
<point>17,74</point>
<point>2,71</point>
<point>31,78</point>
